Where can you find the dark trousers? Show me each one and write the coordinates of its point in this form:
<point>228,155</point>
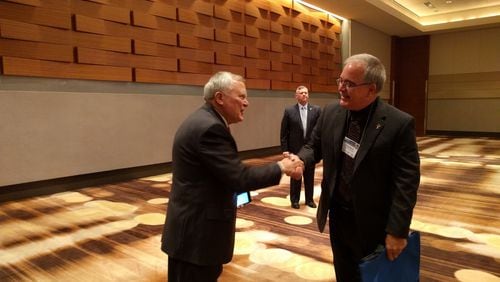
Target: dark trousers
<point>346,245</point>
<point>181,271</point>
<point>295,185</point>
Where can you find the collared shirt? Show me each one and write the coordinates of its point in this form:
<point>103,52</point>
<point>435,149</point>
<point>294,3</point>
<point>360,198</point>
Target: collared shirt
<point>225,121</point>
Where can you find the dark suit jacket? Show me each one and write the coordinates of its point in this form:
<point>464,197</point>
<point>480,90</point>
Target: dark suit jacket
<point>292,133</point>
<point>207,172</point>
<point>386,172</point>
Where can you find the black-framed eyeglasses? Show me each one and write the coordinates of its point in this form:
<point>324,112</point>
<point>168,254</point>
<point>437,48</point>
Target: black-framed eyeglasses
<point>349,84</point>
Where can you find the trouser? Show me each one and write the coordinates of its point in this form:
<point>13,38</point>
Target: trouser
<point>295,185</point>
<point>181,271</point>
<point>346,245</point>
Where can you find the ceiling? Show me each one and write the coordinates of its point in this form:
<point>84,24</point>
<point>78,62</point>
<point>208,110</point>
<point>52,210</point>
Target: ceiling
<point>406,18</point>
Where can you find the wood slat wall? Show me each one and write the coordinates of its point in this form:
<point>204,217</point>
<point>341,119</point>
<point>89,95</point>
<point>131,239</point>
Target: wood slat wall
<point>273,44</point>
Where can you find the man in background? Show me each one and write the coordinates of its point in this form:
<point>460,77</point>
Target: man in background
<point>371,168</point>
<point>296,127</point>
<point>199,230</point>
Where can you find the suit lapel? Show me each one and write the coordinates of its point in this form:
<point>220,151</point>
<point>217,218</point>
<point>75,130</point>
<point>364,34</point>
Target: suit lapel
<point>339,120</point>
<point>338,129</point>
<point>372,130</point>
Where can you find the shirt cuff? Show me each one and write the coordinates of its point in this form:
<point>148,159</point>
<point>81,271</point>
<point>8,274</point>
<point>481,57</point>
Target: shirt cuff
<point>282,167</point>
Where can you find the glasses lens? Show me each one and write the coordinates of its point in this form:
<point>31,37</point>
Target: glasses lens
<point>345,83</point>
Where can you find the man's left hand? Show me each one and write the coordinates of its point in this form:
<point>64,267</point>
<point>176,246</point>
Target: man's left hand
<point>394,246</point>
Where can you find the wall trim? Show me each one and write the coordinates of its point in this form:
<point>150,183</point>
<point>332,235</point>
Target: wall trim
<point>70,183</point>
<point>463,133</point>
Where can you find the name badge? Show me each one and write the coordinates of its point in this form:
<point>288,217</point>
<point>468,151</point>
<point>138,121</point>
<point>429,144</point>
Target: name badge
<point>350,147</point>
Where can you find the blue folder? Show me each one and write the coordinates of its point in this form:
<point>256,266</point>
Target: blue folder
<point>405,268</point>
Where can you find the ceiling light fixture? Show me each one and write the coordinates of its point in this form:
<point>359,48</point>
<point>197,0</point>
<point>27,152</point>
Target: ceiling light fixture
<point>319,9</point>
<point>429,5</point>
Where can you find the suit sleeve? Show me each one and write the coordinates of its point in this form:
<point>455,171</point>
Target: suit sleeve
<point>285,132</point>
<point>311,152</point>
<point>220,156</point>
<point>405,181</point>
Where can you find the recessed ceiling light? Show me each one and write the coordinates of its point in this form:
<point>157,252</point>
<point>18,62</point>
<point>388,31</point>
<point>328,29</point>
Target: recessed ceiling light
<point>429,5</point>
<point>449,1</point>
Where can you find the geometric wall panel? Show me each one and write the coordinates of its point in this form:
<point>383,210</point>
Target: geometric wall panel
<point>274,44</point>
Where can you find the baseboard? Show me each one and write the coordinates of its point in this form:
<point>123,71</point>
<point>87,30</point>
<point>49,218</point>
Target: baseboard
<point>51,186</point>
<point>462,133</point>
<point>57,185</point>
<point>259,153</point>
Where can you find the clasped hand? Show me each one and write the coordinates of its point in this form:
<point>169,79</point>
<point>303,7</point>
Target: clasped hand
<point>293,166</point>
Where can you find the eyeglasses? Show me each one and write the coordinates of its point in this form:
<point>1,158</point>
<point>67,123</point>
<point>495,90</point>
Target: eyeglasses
<point>349,84</point>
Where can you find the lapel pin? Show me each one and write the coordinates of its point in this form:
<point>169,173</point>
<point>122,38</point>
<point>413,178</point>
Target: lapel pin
<point>378,126</point>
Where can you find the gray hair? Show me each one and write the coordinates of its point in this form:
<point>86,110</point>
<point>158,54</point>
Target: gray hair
<point>220,81</point>
<point>374,69</point>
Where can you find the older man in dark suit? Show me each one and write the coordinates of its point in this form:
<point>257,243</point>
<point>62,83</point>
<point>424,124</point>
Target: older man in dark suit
<point>207,173</point>
<point>371,168</point>
<point>296,127</point>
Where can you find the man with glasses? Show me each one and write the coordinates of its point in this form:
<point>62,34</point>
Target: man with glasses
<point>371,168</point>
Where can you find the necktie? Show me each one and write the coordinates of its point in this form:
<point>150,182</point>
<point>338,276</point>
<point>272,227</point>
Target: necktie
<point>353,133</point>
<point>303,117</point>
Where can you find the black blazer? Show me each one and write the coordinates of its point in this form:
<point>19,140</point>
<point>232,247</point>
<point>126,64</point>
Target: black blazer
<point>292,133</point>
<point>386,172</point>
<point>207,171</point>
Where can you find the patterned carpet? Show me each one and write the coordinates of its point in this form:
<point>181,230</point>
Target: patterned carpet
<point>112,232</point>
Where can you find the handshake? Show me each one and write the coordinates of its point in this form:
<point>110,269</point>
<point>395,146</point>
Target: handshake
<point>291,165</point>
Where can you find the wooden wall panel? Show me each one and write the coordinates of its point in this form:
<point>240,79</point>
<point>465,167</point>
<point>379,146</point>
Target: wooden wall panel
<point>143,20</point>
<point>37,15</point>
<point>192,79</point>
<point>105,12</point>
<point>28,67</point>
<point>233,49</point>
<point>100,57</point>
<point>154,49</point>
<point>195,67</point>
<point>35,3</point>
<point>154,76</point>
<point>32,32</point>
<point>156,8</point>
<point>222,58</point>
<point>104,42</point>
<point>99,26</point>
<point>203,7</point>
<point>199,31</point>
<point>196,55</point>
<point>274,44</point>
<point>234,69</point>
<point>36,50</point>
<point>258,83</point>
<point>153,35</point>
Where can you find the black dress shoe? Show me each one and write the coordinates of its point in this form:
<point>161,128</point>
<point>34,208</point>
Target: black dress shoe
<point>311,204</point>
<point>295,205</point>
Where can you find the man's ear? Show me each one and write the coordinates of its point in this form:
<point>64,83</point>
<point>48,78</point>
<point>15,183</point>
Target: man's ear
<point>372,89</point>
<point>218,97</point>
